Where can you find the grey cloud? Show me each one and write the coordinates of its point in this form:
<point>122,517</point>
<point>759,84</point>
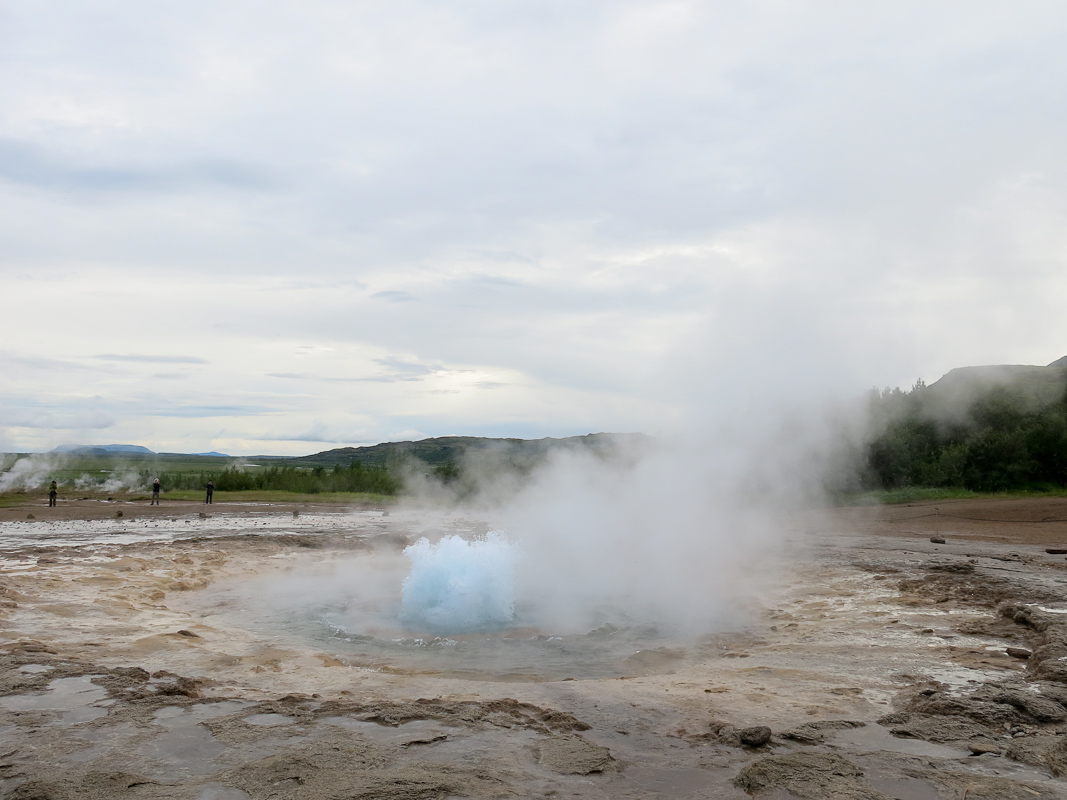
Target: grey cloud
<point>509,327</point>
<point>28,164</point>
<point>400,366</point>
<point>303,283</point>
<point>393,296</point>
<point>738,123</point>
<point>60,419</point>
<point>383,378</point>
<point>151,359</point>
<point>44,363</point>
<point>105,410</point>
<point>318,436</point>
<point>397,370</point>
<point>193,410</point>
<point>320,432</point>
<point>393,378</point>
<point>524,428</point>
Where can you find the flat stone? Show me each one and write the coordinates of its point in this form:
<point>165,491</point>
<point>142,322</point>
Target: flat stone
<point>816,732</point>
<point>1018,652</point>
<point>932,728</point>
<point>573,755</point>
<point>808,775</point>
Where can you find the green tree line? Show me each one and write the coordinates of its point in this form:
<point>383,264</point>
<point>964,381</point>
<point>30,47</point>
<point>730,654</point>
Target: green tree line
<point>355,477</point>
<point>1000,443</point>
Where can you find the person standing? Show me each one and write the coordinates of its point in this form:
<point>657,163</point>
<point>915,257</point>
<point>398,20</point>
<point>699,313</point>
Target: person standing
<point>155,492</point>
<point>52,492</point>
<point>210,492</point>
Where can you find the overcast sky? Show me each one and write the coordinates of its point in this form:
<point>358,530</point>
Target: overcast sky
<point>283,227</point>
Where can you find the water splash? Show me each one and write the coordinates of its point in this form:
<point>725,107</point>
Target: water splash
<point>459,586</point>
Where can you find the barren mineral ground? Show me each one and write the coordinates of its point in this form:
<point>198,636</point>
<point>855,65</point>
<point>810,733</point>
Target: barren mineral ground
<point>914,652</point>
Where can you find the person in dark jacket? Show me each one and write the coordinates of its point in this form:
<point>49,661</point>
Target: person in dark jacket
<point>210,492</point>
<point>155,492</point>
<point>52,492</point>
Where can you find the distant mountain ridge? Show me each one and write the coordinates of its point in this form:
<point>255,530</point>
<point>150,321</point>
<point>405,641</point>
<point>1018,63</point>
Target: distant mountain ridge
<point>436,451</point>
<point>451,449</point>
<point>1032,386</point>
<point>111,449</point>
<point>101,449</point>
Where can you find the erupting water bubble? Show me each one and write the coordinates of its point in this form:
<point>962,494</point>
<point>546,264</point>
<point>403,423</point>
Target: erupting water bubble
<point>459,586</point>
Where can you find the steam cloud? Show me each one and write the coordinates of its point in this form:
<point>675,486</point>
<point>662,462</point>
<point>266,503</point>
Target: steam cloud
<point>126,480</point>
<point>35,471</point>
<point>28,473</point>
<point>670,534</point>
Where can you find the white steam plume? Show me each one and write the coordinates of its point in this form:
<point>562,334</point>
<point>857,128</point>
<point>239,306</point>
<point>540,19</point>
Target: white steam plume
<point>120,480</point>
<point>29,473</point>
<point>670,532</point>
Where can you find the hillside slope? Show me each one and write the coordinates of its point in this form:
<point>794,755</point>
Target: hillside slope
<point>991,429</point>
<point>452,449</point>
<point>1031,387</point>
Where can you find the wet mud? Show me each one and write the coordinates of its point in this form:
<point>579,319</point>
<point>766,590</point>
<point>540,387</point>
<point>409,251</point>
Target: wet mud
<point>881,665</point>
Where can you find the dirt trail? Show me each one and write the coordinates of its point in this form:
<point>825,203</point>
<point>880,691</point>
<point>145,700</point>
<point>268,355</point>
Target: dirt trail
<point>887,665</point>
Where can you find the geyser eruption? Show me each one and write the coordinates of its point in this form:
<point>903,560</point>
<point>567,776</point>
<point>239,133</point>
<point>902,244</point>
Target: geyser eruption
<point>460,586</point>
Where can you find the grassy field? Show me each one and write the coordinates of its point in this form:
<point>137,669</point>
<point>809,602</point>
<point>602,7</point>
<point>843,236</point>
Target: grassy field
<point>893,497</point>
<point>919,494</point>
<point>34,497</point>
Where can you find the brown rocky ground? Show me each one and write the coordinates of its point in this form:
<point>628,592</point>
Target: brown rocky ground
<point>880,665</point>
<point>1030,521</point>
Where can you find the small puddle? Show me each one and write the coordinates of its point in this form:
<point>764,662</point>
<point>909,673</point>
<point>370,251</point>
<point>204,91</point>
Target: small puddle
<point>672,782</point>
<point>78,698</point>
<point>414,732</point>
<point>104,739</point>
<point>186,747</point>
<point>873,737</point>
<point>217,791</point>
<point>905,788</point>
<point>269,720</point>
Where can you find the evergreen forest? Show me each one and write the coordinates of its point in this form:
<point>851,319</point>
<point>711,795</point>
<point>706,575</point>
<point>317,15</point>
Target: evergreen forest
<point>1003,438</point>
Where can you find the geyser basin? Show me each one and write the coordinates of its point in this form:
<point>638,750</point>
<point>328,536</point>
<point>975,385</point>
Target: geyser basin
<point>448,608</point>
